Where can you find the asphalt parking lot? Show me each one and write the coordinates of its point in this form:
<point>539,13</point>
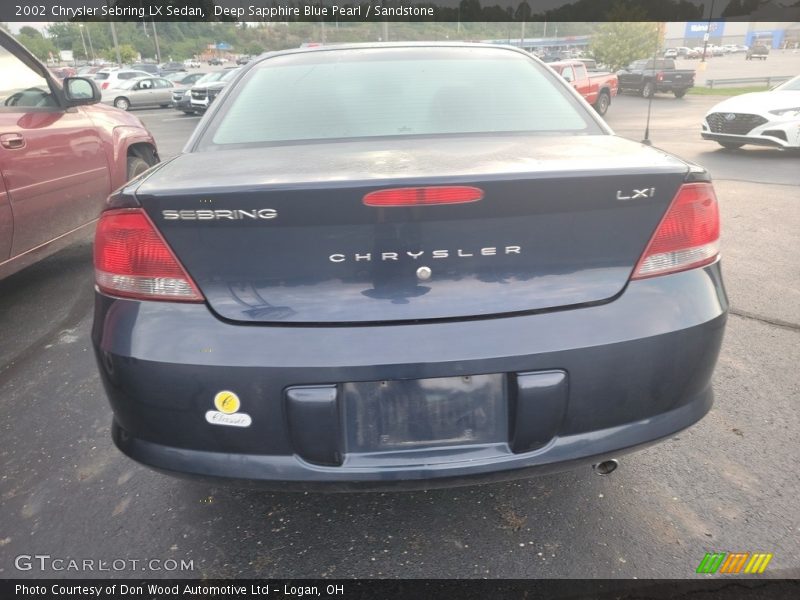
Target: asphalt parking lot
<point>730,483</point>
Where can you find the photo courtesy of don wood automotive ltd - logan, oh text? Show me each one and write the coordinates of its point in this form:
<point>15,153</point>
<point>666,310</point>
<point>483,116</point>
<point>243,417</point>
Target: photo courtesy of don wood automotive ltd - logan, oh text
<point>379,299</point>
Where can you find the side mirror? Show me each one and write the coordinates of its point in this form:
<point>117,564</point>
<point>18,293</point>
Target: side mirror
<point>79,91</point>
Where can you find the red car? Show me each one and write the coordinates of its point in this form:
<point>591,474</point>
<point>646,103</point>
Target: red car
<point>596,88</point>
<point>61,155</point>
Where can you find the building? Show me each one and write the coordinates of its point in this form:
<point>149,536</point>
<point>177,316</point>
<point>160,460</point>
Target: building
<point>772,34</point>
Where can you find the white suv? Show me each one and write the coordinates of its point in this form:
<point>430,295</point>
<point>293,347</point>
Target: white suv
<point>110,78</point>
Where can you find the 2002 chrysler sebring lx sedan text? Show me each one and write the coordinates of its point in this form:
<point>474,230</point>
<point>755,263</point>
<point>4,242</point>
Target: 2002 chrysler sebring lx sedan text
<point>405,264</point>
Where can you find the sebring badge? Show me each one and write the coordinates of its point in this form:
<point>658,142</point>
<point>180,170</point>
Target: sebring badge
<point>219,214</point>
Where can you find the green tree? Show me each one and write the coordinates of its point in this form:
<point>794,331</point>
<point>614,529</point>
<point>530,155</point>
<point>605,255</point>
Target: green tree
<point>127,54</point>
<point>34,41</point>
<point>617,44</point>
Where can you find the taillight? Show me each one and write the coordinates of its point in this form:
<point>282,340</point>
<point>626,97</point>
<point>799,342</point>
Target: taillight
<point>660,76</point>
<point>421,196</point>
<point>688,235</point>
<point>104,86</point>
<point>132,260</point>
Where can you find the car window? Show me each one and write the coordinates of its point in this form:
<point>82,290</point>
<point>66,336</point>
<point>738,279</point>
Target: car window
<point>580,72</point>
<point>20,86</point>
<point>568,74</point>
<point>370,93</point>
<point>793,85</point>
<point>162,83</point>
<point>101,76</point>
<point>146,84</point>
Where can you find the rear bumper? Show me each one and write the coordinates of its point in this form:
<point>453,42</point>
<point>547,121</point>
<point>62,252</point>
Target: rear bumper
<point>635,370</point>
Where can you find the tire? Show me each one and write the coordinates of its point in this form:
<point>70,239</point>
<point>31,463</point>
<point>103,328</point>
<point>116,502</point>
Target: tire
<point>122,103</point>
<point>730,145</point>
<point>136,166</point>
<point>648,89</point>
<point>679,93</point>
<point>188,112</point>
<point>602,103</point>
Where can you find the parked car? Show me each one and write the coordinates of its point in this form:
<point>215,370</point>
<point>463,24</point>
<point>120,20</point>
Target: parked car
<point>61,155</point>
<point>182,96</point>
<point>203,94</point>
<point>149,68</point>
<point>62,72</point>
<point>671,53</point>
<point>140,93</point>
<point>244,59</point>
<point>215,61</point>
<point>191,63</point>
<point>170,67</point>
<point>88,70</point>
<point>763,118</point>
<point>646,78</point>
<point>760,52</point>
<point>418,283</point>
<point>183,79</point>
<point>597,88</point>
<point>110,78</point>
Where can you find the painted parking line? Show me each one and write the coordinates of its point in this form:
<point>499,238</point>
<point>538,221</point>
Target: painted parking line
<point>186,118</point>
<point>155,111</point>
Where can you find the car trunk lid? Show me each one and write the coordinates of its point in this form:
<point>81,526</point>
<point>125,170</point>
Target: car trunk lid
<point>282,234</point>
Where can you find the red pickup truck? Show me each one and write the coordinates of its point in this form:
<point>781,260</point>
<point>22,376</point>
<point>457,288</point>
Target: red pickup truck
<point>61,155</point>
<point>596,88</point>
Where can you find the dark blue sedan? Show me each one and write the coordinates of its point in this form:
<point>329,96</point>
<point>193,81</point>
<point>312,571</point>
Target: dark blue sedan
<point>405,265</point>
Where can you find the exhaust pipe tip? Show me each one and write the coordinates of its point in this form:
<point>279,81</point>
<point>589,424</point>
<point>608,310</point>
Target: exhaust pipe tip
<point>606,467</point>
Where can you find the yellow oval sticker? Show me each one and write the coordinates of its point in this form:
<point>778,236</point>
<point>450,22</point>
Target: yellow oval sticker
<point>227,402</point>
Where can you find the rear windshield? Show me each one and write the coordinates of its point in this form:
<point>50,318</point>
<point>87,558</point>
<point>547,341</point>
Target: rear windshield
<point>344,94</point>
<point>100,76</point>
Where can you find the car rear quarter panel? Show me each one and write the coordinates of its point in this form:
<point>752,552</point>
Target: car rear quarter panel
<point>119,131</point>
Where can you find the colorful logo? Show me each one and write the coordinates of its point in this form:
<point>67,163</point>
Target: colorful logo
<point>227,402</point>
<point>734,562</point>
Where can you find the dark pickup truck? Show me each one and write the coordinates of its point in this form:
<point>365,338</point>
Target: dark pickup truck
<point>646,78</point>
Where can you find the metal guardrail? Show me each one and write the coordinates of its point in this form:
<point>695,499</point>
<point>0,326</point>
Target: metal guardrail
<point>767,81</point>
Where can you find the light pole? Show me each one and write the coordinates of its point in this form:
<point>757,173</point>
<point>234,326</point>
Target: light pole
<point>83,41</point>
<point>89,35</point>
<point>155,37</point>
<point>708,31</point>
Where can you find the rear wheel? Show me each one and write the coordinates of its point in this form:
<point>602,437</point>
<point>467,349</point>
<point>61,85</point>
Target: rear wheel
<point>679,93</point>
<point>648,90</point>
<point>731,145</point>
<point>122,103</point>
<point>136,166</point>
<point>602,103</point>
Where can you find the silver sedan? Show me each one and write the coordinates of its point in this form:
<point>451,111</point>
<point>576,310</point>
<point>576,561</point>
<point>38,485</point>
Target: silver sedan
<point>140,92</point>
